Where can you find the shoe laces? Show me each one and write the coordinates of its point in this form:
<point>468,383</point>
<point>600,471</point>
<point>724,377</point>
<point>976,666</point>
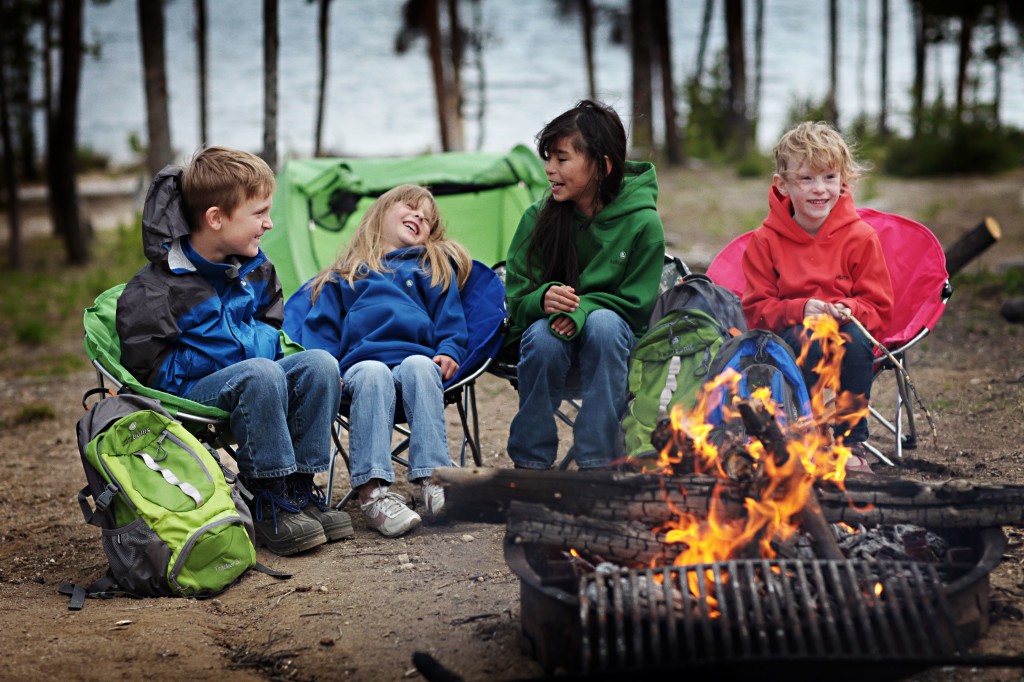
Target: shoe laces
<point>387,503</point>
<point>273,498</point>
<point>305,490</point>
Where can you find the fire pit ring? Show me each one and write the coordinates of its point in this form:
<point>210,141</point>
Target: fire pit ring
<point>928,615</point>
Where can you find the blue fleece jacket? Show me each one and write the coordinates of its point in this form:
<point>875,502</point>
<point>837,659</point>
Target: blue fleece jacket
<point>387,316</point>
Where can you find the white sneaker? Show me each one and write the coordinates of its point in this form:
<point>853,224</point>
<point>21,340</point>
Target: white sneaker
<point>433,499</point>
<point>386,512</point>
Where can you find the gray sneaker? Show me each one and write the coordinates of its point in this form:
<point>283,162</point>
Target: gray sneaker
<point>387,513</point>
<point>280,526</point>
<point>432,496</point>
<point>312,500</point>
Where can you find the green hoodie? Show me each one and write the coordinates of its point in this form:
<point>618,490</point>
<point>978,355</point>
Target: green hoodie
<point>621,255</point>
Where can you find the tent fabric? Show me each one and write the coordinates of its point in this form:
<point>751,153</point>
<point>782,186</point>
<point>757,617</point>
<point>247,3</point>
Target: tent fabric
<point>483,302</point>
<point>319,202</point>
<point>917,267</point>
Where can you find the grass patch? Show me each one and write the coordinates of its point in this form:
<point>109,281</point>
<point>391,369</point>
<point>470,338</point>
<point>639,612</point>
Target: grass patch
<point>41,305</point>
<point>31,413</point>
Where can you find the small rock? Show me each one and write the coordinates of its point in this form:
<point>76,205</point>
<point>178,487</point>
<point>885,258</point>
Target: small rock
<point>468,538</point>
<point>407,566</point>
<point>327,641</point>
<point>403,558</point>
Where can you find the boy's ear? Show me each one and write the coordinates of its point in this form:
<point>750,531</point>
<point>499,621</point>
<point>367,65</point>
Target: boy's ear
<point>780,185</point>
<point>607,166</point>
<point>212,218</point>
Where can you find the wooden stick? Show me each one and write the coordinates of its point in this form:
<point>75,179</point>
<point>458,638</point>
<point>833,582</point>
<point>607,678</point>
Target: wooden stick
<point>983,235</point>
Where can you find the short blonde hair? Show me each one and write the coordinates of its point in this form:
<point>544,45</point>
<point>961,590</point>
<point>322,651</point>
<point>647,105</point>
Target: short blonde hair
<point>446,260</point>
<point>223,177</point>
<point>821,147</point>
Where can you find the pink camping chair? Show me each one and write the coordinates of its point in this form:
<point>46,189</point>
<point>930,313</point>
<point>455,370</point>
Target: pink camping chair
<point>917,266</point>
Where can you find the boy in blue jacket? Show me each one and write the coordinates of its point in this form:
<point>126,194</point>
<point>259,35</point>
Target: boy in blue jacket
<point>201,321</point>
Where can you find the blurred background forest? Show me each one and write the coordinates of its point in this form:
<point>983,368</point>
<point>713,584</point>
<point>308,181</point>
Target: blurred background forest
<point>926,87</point>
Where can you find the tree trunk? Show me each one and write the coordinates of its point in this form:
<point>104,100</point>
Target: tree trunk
<point>643,105</point>
<point>963,251</point>
<point>755,105</point>
<point>920,55</point>
<point>158,122</point>
<point>883,62</point>
<point>62,142</point>
<point>323,34</point>
<point>453,90</point>
<point>967,19</point>
<point>739,127</point>
<point>271,41</point>
<point>432,26</point>
<point>204,136</point>
<point>663,41</point>
<point>833,62</point>
<point>10,178</point>
<point>702,44</point>
<point>587,14</point>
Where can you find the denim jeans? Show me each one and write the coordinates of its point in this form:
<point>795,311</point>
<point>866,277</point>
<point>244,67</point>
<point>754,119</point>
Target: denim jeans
<point>600,353</point>
<point>855,372</point>
<point>281,411</point>
<point>374,388</point>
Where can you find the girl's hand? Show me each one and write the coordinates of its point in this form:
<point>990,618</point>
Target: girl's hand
<point>563,325</point>
<point>560,299</point>
<point>448,366</point>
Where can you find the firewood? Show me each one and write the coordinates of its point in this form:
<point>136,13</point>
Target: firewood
<point>485,495</point>
<point>971,244</point>
<point>1012,310</point>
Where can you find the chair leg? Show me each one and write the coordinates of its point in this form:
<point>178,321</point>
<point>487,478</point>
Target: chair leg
<point>908,441</point>
<point>471,438</point>
<point>338,450</point>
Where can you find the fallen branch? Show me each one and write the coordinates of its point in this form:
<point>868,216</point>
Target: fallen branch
<point>971,244</point>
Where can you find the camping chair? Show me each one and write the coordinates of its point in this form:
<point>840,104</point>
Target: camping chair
<point>102,345</point>
<point>483,302</point>
<point>673,272</point>
<point>917,267</point>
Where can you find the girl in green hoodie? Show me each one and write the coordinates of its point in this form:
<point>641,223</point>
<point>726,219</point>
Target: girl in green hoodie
<point>582,275</point>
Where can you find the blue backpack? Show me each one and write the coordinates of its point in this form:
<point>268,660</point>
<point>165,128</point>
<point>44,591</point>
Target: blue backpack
<point>762,359</point>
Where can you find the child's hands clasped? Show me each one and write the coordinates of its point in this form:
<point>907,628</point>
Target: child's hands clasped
<point>561,298</point>
<point>835,310</point>
<point>448,366</point>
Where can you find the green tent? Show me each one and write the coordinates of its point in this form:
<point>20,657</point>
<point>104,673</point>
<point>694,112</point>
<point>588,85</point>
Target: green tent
<point>319,203</point>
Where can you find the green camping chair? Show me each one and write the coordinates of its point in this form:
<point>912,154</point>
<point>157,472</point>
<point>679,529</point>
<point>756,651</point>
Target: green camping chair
<point>103,347</point>
<point>319,202</point>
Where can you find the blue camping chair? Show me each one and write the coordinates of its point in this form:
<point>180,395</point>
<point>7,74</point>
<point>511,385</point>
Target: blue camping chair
<point>483,301</point>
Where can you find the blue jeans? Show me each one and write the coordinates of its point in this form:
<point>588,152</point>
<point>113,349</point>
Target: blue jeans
<point>374,388</point>
<point>855,373</point>
<point>600,353</point>
<point>281,411</point>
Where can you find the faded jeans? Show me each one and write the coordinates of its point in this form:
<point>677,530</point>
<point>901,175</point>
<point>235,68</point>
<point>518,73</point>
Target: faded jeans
<point>281,411</point>
<point>375,388</point>
<point>855,373</point>
<point>600,353</point>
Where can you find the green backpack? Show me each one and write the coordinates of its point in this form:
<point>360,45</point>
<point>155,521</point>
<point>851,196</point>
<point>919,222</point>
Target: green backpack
<point>669,364</point>
<point>171,524</point>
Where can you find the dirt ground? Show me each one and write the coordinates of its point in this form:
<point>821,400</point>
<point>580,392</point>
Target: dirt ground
<point>358,609</point>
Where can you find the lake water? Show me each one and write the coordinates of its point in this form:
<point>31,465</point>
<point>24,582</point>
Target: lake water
<point>380,103</point>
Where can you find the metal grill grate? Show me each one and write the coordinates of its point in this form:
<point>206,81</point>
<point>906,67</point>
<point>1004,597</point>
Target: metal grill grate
<point>760,609</point>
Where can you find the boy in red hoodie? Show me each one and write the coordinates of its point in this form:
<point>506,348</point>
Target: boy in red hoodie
<point>813,255</point>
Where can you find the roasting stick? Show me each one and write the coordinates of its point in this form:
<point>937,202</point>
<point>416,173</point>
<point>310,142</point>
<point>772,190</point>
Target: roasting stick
<point>902,370</point>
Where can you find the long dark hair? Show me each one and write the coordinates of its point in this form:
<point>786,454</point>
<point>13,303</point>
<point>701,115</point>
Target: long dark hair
<point>596,131</point>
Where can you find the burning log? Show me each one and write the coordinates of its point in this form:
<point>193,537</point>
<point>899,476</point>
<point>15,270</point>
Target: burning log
<point>486,495</point>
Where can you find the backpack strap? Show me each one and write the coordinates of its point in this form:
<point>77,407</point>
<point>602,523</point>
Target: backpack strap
<point>104,587</point>
<point>266,570</point>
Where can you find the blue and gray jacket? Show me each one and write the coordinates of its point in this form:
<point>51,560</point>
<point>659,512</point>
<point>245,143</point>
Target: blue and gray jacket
<point>181,317</point>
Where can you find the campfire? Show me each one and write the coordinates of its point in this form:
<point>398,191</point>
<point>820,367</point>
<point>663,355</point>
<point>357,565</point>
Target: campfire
<point>744,542</point>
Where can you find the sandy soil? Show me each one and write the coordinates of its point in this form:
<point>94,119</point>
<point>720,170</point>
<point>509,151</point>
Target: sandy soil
<point>358,609</point>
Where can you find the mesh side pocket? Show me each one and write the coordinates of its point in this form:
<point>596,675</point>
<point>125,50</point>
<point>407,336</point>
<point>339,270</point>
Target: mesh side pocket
<point>138,559</point>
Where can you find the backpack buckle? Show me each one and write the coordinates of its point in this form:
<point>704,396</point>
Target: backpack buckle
<point>105,498</point>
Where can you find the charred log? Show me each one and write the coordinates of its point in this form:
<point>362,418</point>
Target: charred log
<point>972,244</point>
<point>486,494</point>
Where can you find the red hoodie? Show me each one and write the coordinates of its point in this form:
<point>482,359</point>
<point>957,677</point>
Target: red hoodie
<point>784,266</point>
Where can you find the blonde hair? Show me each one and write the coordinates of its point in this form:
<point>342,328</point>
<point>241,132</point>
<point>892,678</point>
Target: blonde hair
<point>442,257</point>
<point>223,177</point>
<point>821,147</point>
